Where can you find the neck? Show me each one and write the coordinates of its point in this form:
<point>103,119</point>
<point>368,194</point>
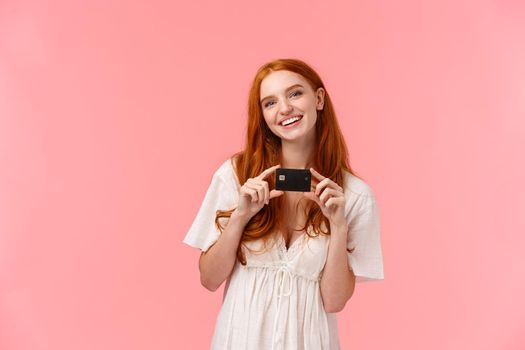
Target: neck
<point>297,154</point>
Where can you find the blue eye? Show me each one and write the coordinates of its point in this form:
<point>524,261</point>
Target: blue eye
<point>295,93</point>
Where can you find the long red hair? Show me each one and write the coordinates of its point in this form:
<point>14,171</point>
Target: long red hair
<point>263,150</point>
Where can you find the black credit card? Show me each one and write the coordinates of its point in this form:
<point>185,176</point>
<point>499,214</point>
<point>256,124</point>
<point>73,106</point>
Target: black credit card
<point>287,179</point>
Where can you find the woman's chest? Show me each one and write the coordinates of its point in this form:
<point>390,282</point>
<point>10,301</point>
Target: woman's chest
<point>305,255</point>
<point>293,220</point>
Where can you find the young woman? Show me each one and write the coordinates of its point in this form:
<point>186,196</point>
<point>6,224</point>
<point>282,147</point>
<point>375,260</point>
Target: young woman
<point>290,259</point>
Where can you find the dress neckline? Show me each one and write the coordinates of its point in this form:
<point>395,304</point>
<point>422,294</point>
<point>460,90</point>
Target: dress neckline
<point>293,244</point>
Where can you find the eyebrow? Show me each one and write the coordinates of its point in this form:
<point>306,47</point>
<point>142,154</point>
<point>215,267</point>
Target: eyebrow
<point>288,88</point>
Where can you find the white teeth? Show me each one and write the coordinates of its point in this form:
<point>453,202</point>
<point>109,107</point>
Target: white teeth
<point>289,121</point>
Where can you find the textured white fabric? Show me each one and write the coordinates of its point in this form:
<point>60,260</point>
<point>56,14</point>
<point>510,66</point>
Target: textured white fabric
<point>274,302</point>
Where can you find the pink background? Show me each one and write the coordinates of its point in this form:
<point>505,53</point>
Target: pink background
<point>114,115</point>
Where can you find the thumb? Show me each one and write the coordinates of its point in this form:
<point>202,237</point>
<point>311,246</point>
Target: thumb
<point>275,193</point>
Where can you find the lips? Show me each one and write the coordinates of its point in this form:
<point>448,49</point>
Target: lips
<point>290,117</point>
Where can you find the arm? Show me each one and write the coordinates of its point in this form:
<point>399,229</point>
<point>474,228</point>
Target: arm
<point>338,281</point>
<point>216,264</point>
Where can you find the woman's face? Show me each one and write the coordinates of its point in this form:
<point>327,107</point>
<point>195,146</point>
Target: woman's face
<point>286,95</point>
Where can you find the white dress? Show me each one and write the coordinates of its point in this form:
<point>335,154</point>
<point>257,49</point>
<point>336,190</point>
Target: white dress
<point>274,302</point>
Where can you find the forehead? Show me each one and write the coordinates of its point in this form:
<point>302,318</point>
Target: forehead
<point>278,81</point>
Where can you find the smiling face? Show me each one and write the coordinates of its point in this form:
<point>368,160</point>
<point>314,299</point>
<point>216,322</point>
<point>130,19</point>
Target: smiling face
<point>288,97</point>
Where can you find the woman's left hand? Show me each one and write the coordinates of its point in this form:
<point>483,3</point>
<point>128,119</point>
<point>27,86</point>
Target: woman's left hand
<point>330,198</point>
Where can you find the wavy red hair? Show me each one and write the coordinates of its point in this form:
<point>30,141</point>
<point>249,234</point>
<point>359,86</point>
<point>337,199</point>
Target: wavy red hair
<point>263,150</point>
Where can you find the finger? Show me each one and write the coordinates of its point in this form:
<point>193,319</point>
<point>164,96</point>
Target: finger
<point>258,188</point>
<point>321,185</point>
<point>275,193</point>
<point>327,183</point>
<point>335,201</point>
<point>267,172</point>
<point>260,193</point>
<point>311,196</point>
<point>325,196</point>
<point>263,190</point>
<point>332,202</point>
<point>320,177</point>
<point>266,192</point>
<point>313,184</point>
<point>316,174</point>
<point>248,190</point>
<point>329,193</point>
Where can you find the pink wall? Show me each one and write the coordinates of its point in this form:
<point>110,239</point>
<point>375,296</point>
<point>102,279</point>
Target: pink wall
<point>113,116</point>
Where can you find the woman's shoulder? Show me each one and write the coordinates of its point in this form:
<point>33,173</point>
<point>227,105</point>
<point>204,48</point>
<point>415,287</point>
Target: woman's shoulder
<point>358,194</point>
<point>226,171</point>
<point>356,185</point>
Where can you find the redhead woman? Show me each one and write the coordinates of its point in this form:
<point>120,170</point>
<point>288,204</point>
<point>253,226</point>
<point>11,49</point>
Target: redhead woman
<point>290,260</point>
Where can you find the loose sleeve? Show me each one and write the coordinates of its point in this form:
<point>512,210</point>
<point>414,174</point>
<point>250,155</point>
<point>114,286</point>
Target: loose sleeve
<point>366,260</point>
<point>203,232</point>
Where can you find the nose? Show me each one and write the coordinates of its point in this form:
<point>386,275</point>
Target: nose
<point>286,107</point>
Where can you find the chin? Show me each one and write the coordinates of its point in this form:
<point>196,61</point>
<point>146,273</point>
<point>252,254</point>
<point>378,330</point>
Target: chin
<point>294,138</point>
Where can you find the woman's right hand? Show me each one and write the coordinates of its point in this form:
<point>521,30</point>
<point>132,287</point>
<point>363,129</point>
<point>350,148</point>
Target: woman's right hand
<point>254,194</point>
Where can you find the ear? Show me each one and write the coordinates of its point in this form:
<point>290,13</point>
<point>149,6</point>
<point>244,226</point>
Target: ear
<point>320,98</point>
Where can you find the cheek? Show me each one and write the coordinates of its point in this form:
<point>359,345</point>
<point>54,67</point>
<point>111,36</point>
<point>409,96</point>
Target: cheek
<point>305,106</point>
<point>312,110</point>
<point>269,119</point>
<point>311,106</point>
